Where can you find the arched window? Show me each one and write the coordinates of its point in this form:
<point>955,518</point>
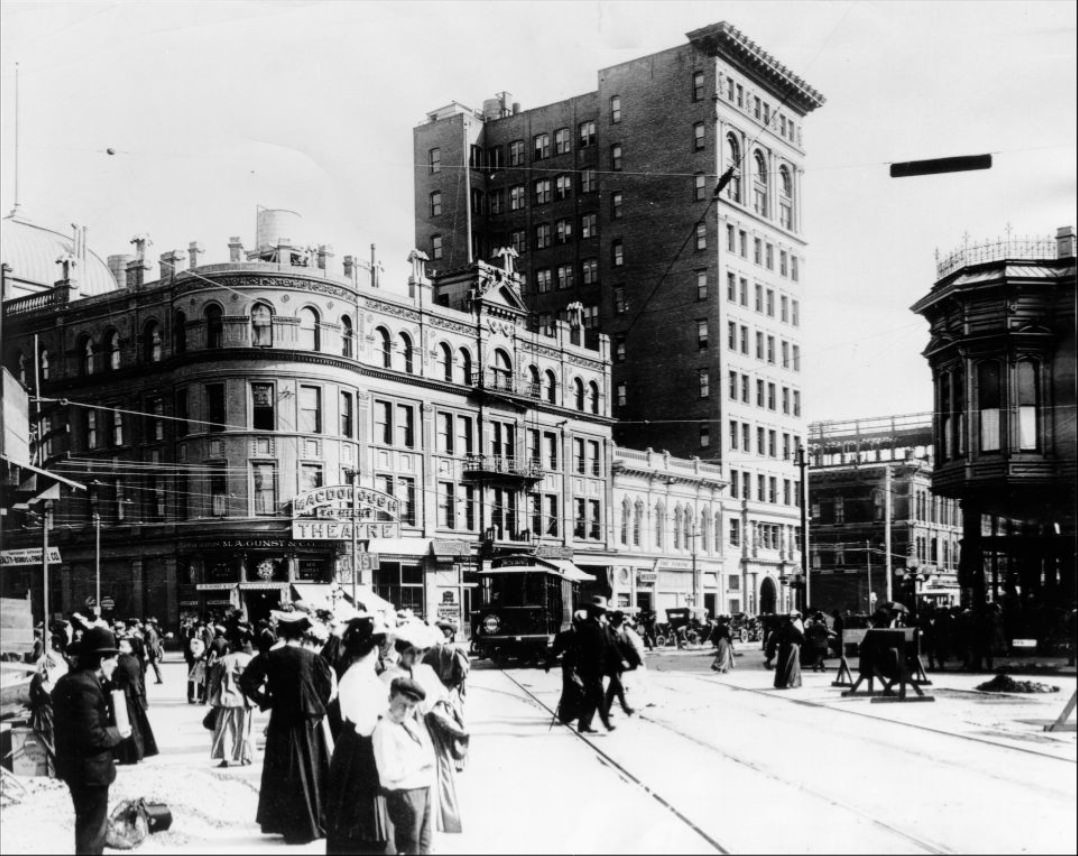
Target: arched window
<point>309,331</point>
<point>214,327</point>
<point>534,384</point>
<point>43,364</point>
<point>502,370</point>
<point>578,393</point>
<point>638,522</point>
<point>988,404</point>
<point>593,397</point>
<point>385,347</point>
<point>445,362</point>
<point>261,325</point>
<point>677,528</point>
<point>23,368</point>
<point>1028,433</point>
<point>686,530</point>
<point>179,332</point>
<point>717,532</point>
<point>660,524</point>
<point>733,159</point>
<point>151,343</point>
<point>112,350</point>
<point>550,386</point>
<point>86,356</point>
<point>626,511</point>
<point>348,337</point>
<point>786,198</point>
<point>465,366</point>
<point>759,183</point>
<point>407,353</point>
<point>704,540</point>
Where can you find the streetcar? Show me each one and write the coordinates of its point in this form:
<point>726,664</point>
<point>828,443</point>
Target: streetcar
<point>524,601</point>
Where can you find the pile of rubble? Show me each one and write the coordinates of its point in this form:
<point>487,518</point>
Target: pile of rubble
<point>1006,684</point>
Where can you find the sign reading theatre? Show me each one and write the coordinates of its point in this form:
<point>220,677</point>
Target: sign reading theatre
<point>330,513</point>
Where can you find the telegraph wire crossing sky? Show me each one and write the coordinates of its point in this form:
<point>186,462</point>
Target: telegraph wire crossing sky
<point>177,119</point>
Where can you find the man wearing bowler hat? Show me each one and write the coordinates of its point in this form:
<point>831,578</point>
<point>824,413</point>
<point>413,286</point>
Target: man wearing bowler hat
<point>597,655</point>
<point>84,737</point>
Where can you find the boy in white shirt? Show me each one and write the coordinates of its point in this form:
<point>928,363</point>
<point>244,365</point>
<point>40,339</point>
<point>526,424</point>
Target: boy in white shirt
<point>405,758</point>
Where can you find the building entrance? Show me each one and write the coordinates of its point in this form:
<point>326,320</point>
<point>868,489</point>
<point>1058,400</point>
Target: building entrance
<point>768,596</point>
<point>259,602</point>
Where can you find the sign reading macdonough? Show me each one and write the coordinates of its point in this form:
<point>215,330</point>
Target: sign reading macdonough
<point>330,513</point>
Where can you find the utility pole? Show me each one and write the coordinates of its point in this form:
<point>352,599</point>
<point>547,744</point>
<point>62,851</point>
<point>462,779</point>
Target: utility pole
<point>45,563</point>
<point>97,558</point>
<point>868,559</point>
<point>354,477</point>
<point>802,464</point>
<point>887,532</point>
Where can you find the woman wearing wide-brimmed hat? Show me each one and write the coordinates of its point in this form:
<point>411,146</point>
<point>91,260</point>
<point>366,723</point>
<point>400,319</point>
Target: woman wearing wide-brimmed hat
<point>294,683</point>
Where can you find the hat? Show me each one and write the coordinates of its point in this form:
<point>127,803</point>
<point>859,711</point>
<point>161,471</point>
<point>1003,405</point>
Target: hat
<point>414,633</point>
<point>598,602</point>
<point>407,687</point>
<point>98,640</point>
<point>294,622</point>
<point>795,613</point>
<point>358,630</point>
<point>446,624</point>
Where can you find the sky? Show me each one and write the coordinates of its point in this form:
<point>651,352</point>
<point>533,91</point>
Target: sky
<point>216,106</point>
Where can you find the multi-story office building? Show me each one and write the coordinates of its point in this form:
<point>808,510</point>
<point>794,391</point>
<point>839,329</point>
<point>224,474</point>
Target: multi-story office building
<point>878,531</point>
<point>234,423</point>
<point>609,200</point>
<point>1002,321</point>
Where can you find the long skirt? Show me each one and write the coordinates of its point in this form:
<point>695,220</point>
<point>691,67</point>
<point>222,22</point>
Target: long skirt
<point>788,667</point>
<point>141,744</point>
<point>572,697</point>
<point>294,770</point>
<point>356,817</point>
<point>444,804</point>
<point>233,728</point>
<point>724,657</point>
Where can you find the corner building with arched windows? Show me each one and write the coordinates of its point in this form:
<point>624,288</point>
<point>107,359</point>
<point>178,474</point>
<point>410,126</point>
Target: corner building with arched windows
<point>214,411</point>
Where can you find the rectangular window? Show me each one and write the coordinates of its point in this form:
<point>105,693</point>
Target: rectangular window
<point>770,306</point>
<point>697,86</point>
<point>797,358</point>
<point>621,306</point>
<point>622,391</point>
<point>406,497</point>
<point>773,493</point>
<point>437,246</point>
<point>587,134</point>
<point>731,242</point>
<point>797,402</point>
<point>263,416</point>
<point>588,182</point>
<point>795,318</point>
<point>155,428</point>
<point>516,153</point>
<point>595,525</point>
<point>541,147</point>
<point>701,236</point>
<point>218,490</point>
<point>435,160</point>
<point>619,347</point>
<point>704,381</point>
<point>989,399</point>
<point>615,109</point>
<point>445,435</point>
<point>757,251</point>
<point>543,280</point>
<point>772,448</point>
<point>733,434</point>
<point>732,385</point>
<point>542,236</point>
<point>769,256</point>
<point>565,276</point>
<point>215,406</point>
<point>701,334</point>
<point>516,197</point>
<point>785,354</point>
<point>1027,372</point>
<point>310,410</point>
<point>745,388</point>
<point>561,141</point>
<point>615,157</point>
<point>771,349</point>
<point>759,393</point>
<point>699,191</point>
<point>793,268</point>
<point>310,477</point>
<point>617,253</point>
<point>589,226</point>
<point>744,339</point>
<point>698,136</point>
<point>731,335</point>
<point>563,231</point>
<point>761,449</point>
<point>784,308</point>
<point>759,345</point>
<point>542,191</point>
<point>783,268</point>
<point>615,205</point>
<point>744,292</point>
<point>404,429</point>
<point>464,435</point>
<point>771,396</point>
<point>563,187</point>
<point>589,269</point>
<point>787,499</point>
<point>759,290</point>
<point>264,489</point>
<point>761,488</point>
<point>383,423</point>
<point>435,203</point>
<point>735,484</point>
<point>91,423</point>
<point>347,415</point>
<point>447,505</point>
<point>743,244</point>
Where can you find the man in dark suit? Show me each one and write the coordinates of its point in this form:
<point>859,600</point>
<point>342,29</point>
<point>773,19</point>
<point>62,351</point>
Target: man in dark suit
<point>596,656</point>
<point>84,737</point>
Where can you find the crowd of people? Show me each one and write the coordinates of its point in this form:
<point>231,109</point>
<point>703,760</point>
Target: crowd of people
<point>365,735</point>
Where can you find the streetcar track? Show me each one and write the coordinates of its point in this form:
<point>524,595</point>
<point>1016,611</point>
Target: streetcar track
<point>823,705</point>
<point>924,844</point>
<point>622,771</point>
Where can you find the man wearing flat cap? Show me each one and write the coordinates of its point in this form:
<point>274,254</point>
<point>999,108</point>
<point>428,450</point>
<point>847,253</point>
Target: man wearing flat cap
<point>404,755</point>
<point>85,738</point>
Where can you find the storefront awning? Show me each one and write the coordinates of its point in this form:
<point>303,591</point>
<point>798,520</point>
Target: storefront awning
<point>216,586</point>
<point>399,546</point>
<point>316,594</point>
<point>571,573</point>
<point>262,586</point>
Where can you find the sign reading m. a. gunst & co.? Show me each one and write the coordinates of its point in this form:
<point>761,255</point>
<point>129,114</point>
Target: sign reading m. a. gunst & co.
<point>330,513</point>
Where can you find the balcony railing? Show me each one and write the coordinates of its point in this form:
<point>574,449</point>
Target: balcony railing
<point>502,382</point>
<point>502,465</point>
<point>993,251</point>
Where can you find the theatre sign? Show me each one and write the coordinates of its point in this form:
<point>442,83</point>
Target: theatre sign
<point>331,513</point>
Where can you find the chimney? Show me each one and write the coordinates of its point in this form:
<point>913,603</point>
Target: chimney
<point>136,274</point>
<point>325,253</point>
<point>170,264</point>
<point>516,107</point>
<point>235,250</point>
<point>1065,242</point>
<point>349,267</point>
<point>118,266</point>
<point>194,250</point>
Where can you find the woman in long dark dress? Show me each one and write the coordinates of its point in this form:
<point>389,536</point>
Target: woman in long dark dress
<point>724,648</point>
<point>294,684</point>
<point>356,816</point>
<point>789,639</point>
<point>128,677</point>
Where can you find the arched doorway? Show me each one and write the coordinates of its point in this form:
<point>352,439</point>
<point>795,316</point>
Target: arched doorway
<point>768,596</point>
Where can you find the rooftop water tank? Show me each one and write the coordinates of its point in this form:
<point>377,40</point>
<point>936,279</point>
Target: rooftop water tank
<point>273,224</point>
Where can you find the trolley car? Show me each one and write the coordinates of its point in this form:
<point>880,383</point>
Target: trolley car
<point>524,600</point>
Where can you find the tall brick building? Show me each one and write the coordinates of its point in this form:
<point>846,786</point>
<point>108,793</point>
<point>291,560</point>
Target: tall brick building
<point>608,198</point>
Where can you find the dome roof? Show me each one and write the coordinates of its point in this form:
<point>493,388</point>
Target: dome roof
<point>31,251</point>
